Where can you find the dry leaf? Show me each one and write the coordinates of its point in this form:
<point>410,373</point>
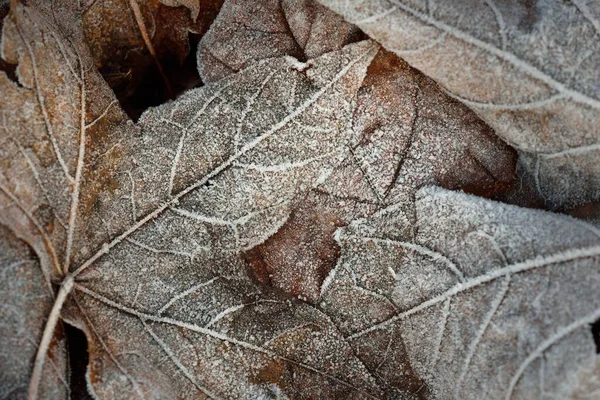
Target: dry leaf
<point>484,301</point>
<point>147,217</point>
<point>528,68</point>
<point>246,31</point>
<point>408,134</point>
<point>305,175</point>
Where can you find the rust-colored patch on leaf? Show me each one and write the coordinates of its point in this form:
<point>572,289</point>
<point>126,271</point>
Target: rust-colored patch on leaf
<point>300,255</point>
<point>272,372</point>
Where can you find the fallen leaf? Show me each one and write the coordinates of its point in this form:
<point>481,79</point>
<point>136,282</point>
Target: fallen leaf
<point>142,235</point>
<point>246,31</point>
<point>408,134</point>
<point>484,301</point>
<point>527,68</point>
<point>143,225</point>
<point>228,194</point>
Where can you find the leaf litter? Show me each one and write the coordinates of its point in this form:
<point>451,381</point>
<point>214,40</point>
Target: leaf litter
<point>285,231</point>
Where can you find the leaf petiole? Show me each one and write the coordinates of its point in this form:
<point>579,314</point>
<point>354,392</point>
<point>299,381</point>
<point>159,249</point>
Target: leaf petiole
<point>53,319</point>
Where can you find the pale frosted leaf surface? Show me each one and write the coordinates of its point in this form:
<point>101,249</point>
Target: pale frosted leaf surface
<point>482,290</point>
<point>528,68</point>
<point>243,150</point>
<point>154,218</point>
<point>408,133</point>
<point>246,31</point>
<point>25,301</point>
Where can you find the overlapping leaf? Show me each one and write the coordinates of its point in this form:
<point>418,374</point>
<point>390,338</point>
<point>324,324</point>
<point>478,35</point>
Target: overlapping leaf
<point>147,231</point>
<point>151,218</point>
<point>485,301</point>
<point>224,195</point>
<point>407,134</point>
<point>247,31</point>
<point>528,68</point>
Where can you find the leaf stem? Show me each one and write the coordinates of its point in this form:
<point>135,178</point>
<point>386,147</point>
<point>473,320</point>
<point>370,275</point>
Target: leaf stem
<point>47,336</point>
<point>139,19</point>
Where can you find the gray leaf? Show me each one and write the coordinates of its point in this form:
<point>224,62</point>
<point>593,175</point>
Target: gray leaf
<point>486,301</point>
<point>527,68</point>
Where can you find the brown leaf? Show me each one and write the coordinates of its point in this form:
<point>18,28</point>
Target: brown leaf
<point>58,118</point>
<point>317,176</point>
<point>207,217</point>
<point>246,31</point>
<point>528,68</point>
<point>484,301</point>
<point>144,225</point>
<point>409,134</point>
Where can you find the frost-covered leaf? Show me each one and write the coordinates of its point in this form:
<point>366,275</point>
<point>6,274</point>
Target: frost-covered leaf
<point>250,30</point>
<point>25,301</point>
<point>149,236</point>
<point>486,300</point>
<point>243,150</point>
<point>529,68</point>
<point>57,119</point>
<point>407,134</point>
<point>144,225</point>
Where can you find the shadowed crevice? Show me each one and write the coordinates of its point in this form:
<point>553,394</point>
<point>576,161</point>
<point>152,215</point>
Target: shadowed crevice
<point>595,327</point>
<point>78,362</point>
<point>9,69</point>
<point>151,91</point>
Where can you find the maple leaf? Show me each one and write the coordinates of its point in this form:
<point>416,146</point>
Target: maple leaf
<point>516,65</point>
<point>248,31</point>
<point>408,134</point>
<point>485,299</point>
<point>149,237</point>
<point>105,203</point>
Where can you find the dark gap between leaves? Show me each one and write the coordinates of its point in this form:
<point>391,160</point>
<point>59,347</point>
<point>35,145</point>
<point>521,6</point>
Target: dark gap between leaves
<point>152,91</point>
<point>78,362</point>
<point>596,334</point>
<point>9,69</point>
